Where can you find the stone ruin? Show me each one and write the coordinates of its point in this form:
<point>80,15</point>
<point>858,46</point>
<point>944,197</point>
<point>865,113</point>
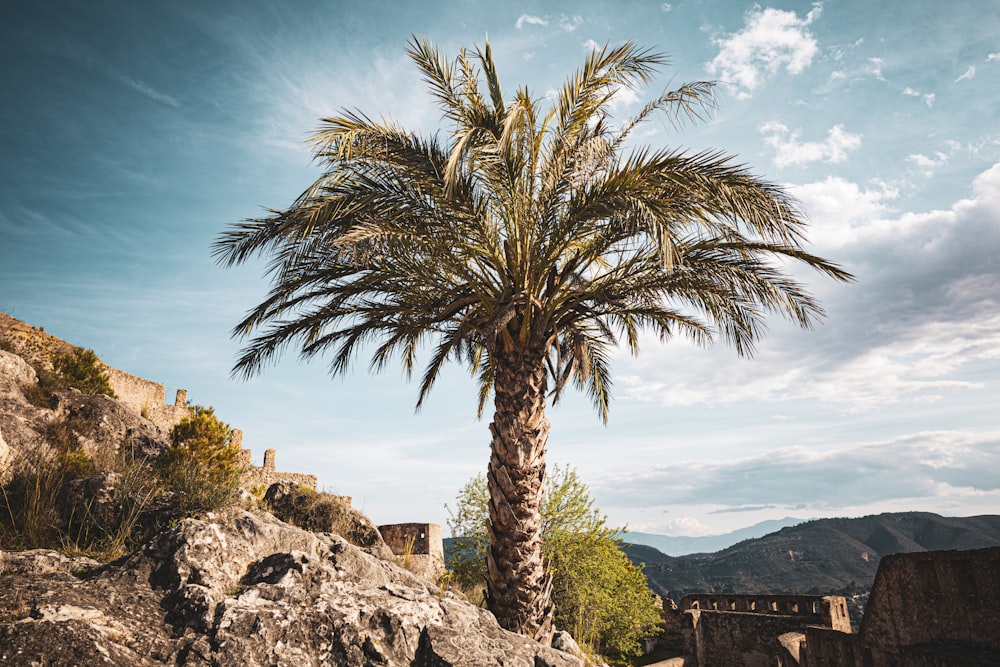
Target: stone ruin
<point>266,475</point>
<point>418,546</point>
<point>148,398</point>
<point>926,609</point>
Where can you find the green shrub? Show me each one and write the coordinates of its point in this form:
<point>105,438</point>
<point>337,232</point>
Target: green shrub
<point>84,371</point>
<point>201,467</point>
<point>601,598</point>
<point>80,369</point>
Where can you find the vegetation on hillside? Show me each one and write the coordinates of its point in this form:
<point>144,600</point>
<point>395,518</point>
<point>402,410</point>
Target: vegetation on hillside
<point>201,468</point>
<point>526,241</point>
<point>104,503</point>
<point>80,369</point>
<point>600,597</point>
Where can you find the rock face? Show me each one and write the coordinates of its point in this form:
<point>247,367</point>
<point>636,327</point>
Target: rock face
<point>244,589</point>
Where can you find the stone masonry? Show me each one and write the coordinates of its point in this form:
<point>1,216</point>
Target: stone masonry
<point>926,609</point>
<point>418,546</point>
<point>753,630</point>
<point>266,475</point>
<point>147,398</point>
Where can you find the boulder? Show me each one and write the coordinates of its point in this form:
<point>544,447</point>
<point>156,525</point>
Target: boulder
<point>246,589</point>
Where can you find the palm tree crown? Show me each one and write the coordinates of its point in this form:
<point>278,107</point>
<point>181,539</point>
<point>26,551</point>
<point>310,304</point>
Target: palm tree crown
<point>526,245</point>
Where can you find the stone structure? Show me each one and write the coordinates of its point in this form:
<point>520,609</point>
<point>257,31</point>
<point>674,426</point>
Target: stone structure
<point>266,475</point>
<point>418,546</point>
<point>754,630</point>
<point>926,609</point>
<point>147,398</point>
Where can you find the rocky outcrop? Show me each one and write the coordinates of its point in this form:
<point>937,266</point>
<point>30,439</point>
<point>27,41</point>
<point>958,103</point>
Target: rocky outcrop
<point>244,589</point>
<point>99,425</point>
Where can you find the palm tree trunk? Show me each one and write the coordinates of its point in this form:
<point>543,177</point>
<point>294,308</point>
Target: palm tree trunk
<point>519,587</point>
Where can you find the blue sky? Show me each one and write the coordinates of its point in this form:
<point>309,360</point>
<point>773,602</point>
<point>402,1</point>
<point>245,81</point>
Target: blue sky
<point>133,133</point>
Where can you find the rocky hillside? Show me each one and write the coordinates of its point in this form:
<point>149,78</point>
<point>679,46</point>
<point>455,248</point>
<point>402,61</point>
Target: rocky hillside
<point>822,556</point>
<point>242,588</point>
<point>235,587</point>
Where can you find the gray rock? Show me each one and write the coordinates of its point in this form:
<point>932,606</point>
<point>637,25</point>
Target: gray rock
<point>14,369</point>
<point>246,589</point>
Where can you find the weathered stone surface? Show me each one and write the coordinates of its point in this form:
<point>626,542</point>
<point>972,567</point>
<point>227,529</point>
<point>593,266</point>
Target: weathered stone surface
<point>245,589</point>
<point>325,513</point>
<point>15,369</point>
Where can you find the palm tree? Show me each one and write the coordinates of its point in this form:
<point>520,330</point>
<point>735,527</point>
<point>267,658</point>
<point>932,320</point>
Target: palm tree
<point>526,245</point>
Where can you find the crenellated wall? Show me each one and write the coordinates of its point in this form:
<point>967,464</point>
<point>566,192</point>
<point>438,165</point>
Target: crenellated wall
<point>266,475</point>
<point>756,630</point>
<point>825,610</point>
<point>147,398</point>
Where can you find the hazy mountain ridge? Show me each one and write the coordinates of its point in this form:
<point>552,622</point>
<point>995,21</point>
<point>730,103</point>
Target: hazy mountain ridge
<point>683,545</point>
<point>819,556</point>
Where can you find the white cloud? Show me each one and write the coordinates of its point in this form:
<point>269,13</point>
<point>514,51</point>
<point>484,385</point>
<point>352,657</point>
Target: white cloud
<point>528,19</point>
<point>993,56</point>
<point>149,91</point>
<point>772,39</point>
<point>928,164</point>
<point>591,45</point>
<point>570,23</point>
<point>790,151</point>
<point>874,68</point>
<point>927,98</point>
<point>928,466</point>
<point>666,7</point>
<point>969,74</point>
<point>921,326</point>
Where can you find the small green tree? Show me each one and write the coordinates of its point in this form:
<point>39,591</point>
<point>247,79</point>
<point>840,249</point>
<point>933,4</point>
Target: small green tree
<point>79,369</point>
<point>202,468</point>
<point>84,371</point>
<point>600,597</point>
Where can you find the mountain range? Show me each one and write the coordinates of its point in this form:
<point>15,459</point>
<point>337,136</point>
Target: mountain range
<point>683,545</point>
<point>818,557</point>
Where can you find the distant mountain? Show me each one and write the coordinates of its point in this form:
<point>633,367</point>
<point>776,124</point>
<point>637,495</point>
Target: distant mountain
<point>680,546</point>
<point>820,557</point>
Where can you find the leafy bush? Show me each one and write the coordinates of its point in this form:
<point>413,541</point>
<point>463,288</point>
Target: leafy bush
<point>201,467</point>
<point>80,369</point>
<point>601,598</point>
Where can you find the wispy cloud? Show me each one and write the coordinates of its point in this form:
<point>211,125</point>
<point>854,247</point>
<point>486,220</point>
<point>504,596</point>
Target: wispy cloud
<point>930,465</point>
<point>928,98</point>
<point>666,7</point>
<point>148,91</point>
<point>927,163</point>
<point>873,67</point>
<point>788,150</point>
<point>968,75</point>
<point>528,19</point>
<point>993,56</point>
<point>771,39</point>
<point>570,23</point>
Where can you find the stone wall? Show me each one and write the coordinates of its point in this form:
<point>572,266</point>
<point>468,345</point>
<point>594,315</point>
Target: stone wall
<point>922,597</point>
<point>147,398</point>
<point>829,610</point>
<point>741,639</point>
<point>929,609</point>
<point>417,545</point>
<point>751,630</point>
<point>266,475</point>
